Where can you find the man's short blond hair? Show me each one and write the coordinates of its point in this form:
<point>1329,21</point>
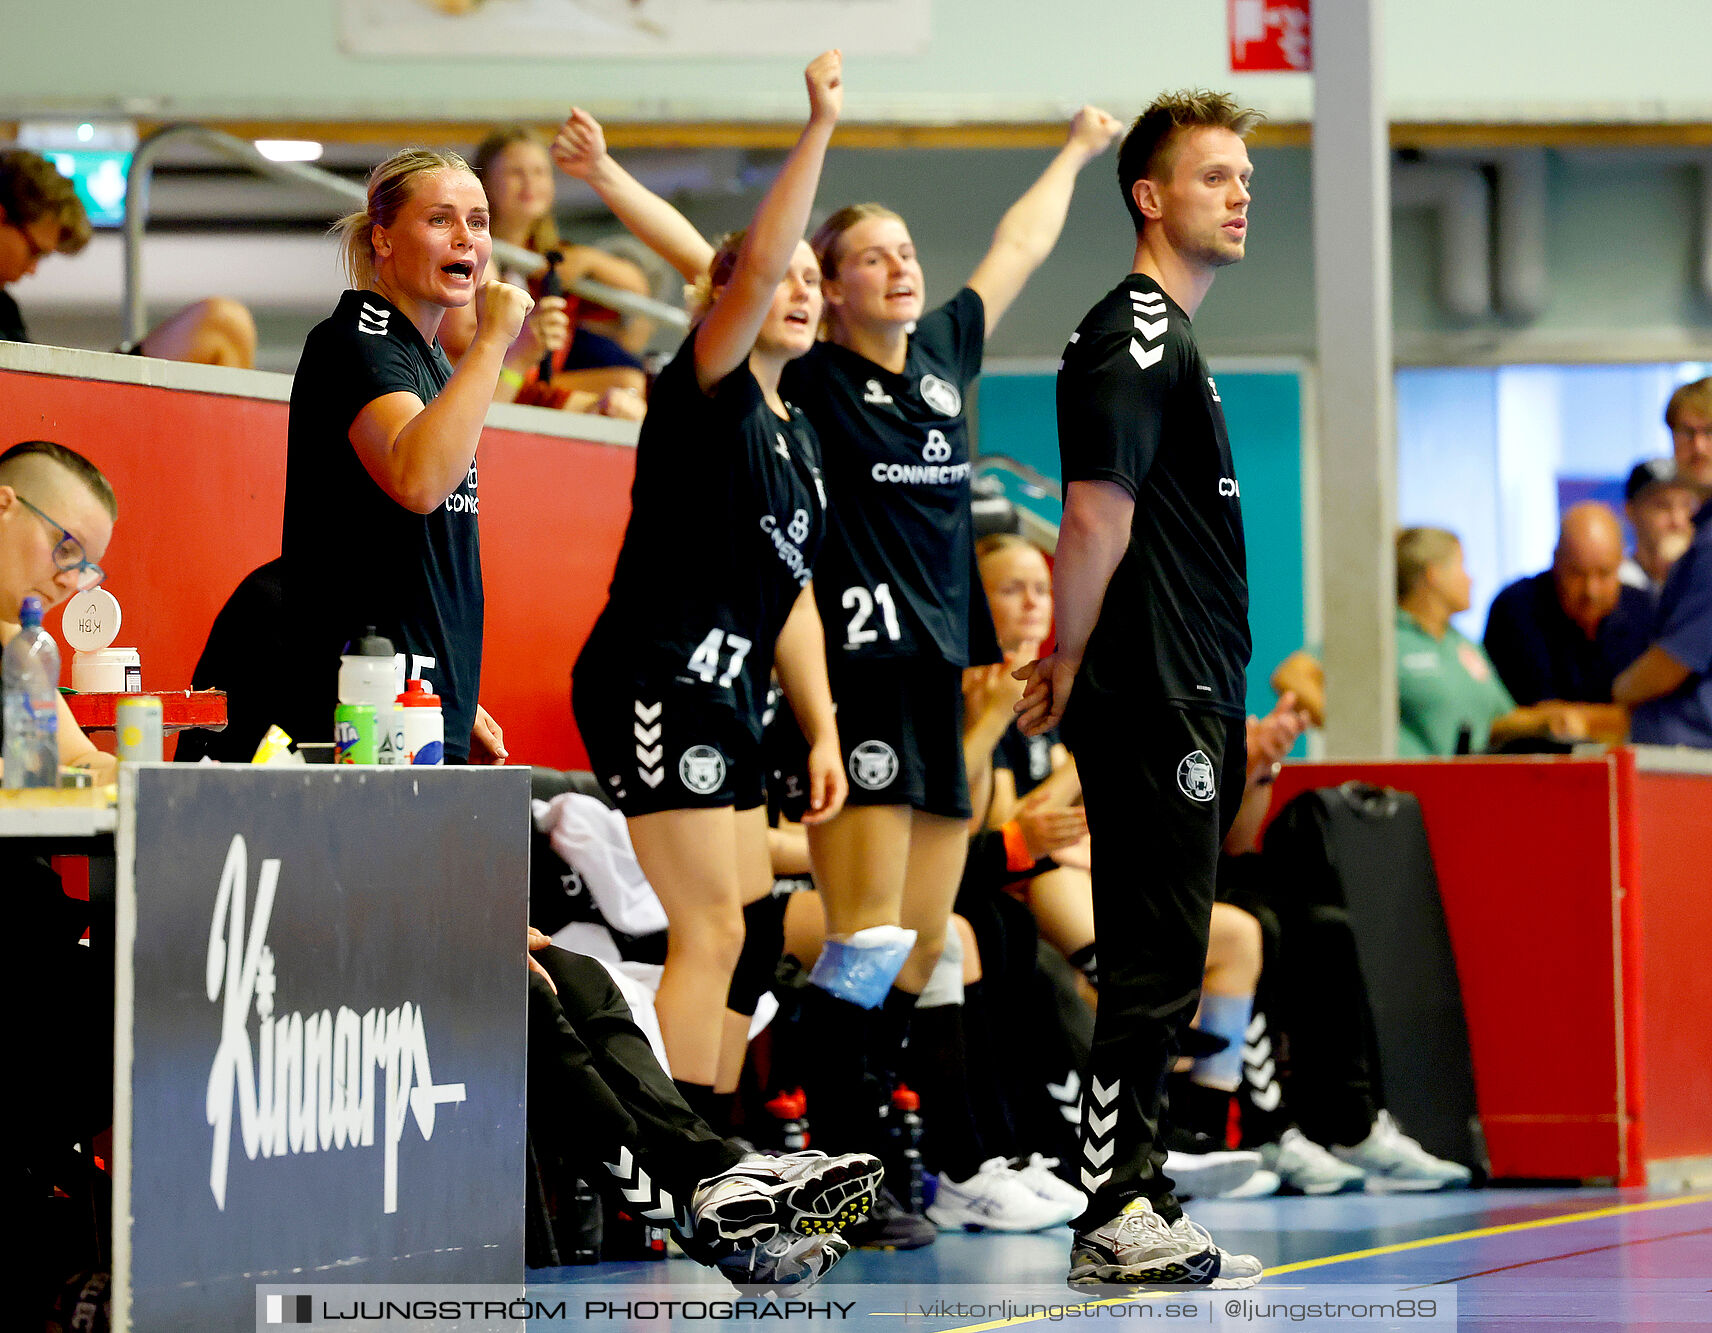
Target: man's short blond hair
<point>1418,550</point>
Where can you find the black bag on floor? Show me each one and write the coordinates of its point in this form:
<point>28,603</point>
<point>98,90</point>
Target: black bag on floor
<point>1362,851</point>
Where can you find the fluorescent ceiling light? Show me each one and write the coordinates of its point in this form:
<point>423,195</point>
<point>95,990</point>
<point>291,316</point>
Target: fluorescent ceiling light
<point>289,150</point>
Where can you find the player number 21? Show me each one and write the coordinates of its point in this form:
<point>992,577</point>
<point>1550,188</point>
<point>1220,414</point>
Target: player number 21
<point>862,603</point>
<point>705,660</point>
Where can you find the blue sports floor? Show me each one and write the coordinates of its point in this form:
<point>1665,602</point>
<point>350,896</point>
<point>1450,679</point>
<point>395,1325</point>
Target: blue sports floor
<point>1542,1259</point>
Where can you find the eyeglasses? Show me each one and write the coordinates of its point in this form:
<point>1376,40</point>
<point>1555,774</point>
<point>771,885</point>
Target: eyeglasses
<point>38,251</point>
<point>68,552</point>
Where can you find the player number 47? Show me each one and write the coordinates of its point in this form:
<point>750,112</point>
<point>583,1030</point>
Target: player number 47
<point>862,603</point>
<point>704,661</point>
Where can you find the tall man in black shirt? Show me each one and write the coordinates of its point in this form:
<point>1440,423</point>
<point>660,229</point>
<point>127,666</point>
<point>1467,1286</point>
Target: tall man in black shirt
<point>1151,593</point>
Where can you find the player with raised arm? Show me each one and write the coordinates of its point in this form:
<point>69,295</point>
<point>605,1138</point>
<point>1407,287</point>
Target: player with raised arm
<point>1151,592</point>
<point>712,590</point>
<point>886,392</point>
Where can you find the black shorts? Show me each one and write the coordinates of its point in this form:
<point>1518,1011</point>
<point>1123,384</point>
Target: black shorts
<point>656,746</point>
<point>901,726</point>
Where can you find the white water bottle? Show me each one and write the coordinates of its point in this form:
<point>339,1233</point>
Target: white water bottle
<point>368,674</point>
<point>29,680</point>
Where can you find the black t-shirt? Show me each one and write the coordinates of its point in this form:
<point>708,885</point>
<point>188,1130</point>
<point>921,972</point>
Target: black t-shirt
<point>899,567</point>
<point>354,557</point>
<point>1137,407</point>
<point>11,320</point>
<point>1028,758</point>
<point>1540,653</point>
<point>727,517</point>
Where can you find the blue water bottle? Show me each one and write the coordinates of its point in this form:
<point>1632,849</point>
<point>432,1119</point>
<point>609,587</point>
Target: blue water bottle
<point>29,680</point>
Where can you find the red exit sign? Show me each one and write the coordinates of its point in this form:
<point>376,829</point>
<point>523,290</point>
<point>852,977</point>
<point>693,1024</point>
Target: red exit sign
<point>1270,35</point>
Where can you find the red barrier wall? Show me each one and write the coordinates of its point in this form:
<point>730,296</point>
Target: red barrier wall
<point>1574,890</point>
<point>201,479</point>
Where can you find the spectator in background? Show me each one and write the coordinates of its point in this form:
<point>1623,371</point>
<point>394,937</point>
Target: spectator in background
<point>1566,633</point>
<point>40,215</point>
<point>1660,504</point>
<point>1689,416</point>
<point>1669,687</point>
<point>1449,699</point>
<point>590,372</point>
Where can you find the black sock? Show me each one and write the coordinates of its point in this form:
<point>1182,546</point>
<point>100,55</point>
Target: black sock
<point>1197,1109</point>
<point>704,1101</point>
<point>831,1038</point>
<point>889,1033</point>
<point>938,1070</point>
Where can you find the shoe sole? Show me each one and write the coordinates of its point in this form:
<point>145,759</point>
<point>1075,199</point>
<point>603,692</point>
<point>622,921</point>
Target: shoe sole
<point>833,1249</point>
<point>1107,1279</point>
<point>1354,1185</point>
<point>838,1195</point>
<point>986,1224</point>
<point>1382,1185</point>
<point>1215,1179</point>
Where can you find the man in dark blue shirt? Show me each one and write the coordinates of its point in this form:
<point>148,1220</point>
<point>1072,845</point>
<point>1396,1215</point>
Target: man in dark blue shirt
<point>1669,686</point>
<point>1566,633</point>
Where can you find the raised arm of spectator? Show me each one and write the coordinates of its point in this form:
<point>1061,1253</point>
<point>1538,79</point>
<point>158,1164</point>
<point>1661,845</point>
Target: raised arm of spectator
<point>1032,225</point>
<point>726,334</point>
<point>420,454</point>
<point>1092,538</point>
<point>579,149</point>
<point>799,657</point>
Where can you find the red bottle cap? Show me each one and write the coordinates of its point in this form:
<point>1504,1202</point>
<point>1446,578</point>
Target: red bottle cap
<point>905,1099</point>
<point>416,696</point>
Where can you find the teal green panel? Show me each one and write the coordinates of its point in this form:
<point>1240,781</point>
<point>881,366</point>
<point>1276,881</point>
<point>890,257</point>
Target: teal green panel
<point>1264,412</point>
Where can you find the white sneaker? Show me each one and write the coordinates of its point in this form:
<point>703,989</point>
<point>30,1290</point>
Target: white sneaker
<point>1039,1175</point>
<point>995,1198</point>
<point>1307,1168</point>
<point>1395,1163</point>
<point>1201,1175</point>
<point>789,1259</point>
<point>1136,1249</point>
<point>1263,1184</point>
<point>810,1193</point>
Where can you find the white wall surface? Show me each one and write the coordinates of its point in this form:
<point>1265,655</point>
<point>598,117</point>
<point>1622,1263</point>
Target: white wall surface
<point>1455,60</point>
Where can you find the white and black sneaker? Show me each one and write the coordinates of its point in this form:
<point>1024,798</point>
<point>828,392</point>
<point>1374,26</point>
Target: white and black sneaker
<point>808,1193</point>
<point>995,1198</point>
<point>789,1259</point>
<point>1040,1174</point>
<point>1138,1250</point>
<point>1204,1175</point>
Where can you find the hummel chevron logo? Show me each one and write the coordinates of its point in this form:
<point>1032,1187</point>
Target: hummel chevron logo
<point>1267,1098</point>
<point>372,319</point>
<point>1103,1093</point>
<point>1102,1126</point>
<point>634,1185</point>
<point>651,776</point>
<point>1101,1155</point>
<point>646,735</point>
<point>1154,330</point>
<point>648,758</point>
<point>1144,356</point>
<point>1092,1182</point>
<point>1067,1091</point>
<point>648,714</point>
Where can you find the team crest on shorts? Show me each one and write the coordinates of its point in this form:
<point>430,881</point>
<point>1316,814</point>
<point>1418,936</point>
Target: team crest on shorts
<point>702,769</point>
<point>1195,777</point>
<point>873,765</point>
<point>941,396</point>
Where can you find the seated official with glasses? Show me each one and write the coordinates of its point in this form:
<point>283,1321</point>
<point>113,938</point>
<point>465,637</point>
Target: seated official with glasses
<point>56,510</point>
